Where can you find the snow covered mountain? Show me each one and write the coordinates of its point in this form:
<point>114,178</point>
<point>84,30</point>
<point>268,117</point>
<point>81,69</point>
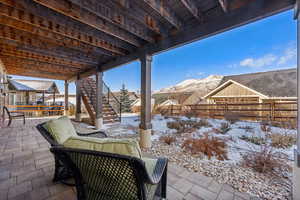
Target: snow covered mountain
<point>191,85</point>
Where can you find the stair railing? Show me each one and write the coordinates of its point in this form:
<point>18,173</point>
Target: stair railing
<point>112,100</point>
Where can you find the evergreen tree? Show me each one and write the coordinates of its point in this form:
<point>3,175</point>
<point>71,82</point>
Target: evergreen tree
<point>124,99</point>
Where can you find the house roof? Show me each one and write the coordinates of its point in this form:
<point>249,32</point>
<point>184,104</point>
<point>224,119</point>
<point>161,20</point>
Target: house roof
<point>169,102</point>
<point>279,83</point>
<point>33,85</point>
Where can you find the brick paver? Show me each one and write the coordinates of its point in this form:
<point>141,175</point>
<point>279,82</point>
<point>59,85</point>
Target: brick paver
<point>27,167</point>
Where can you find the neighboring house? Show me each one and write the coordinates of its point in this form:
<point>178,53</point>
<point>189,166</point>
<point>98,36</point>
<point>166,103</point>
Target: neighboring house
<point>30,92</point>
<point>271,86</point>
<point>168,102</point>
<point>136,105</point>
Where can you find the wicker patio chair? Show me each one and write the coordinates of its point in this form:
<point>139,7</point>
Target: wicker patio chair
<point>12,115</point>
<point>62,173</point>
<point>107,176</point>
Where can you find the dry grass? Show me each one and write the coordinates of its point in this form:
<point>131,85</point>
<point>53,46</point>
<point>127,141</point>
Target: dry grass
<point>209,146</point>
<point>248,129</point>
<point>168,139</point>
<point>282,140</point>
<point>187,126</point>
<point>265,128</point>
<point>263,161</point>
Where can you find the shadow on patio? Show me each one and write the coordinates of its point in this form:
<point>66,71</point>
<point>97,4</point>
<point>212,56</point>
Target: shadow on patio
<point>27,167</point>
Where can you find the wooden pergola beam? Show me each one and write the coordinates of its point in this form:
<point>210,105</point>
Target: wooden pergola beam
<point>192,8</point>
<point>83,16</point>
<point>161,8</point>
<point>7,9</point>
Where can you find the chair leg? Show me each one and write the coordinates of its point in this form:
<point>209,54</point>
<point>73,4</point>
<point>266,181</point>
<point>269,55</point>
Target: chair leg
<point>24,120</point>
<point>164,183</point>
<point>9,122</point>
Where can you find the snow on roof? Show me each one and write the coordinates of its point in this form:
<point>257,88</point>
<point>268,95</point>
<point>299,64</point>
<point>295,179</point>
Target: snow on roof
<point>169,102</point>
<point>33,85</point>
<point>137,102</point>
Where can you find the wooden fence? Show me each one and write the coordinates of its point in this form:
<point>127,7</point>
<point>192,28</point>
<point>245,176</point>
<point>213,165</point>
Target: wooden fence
<point>37,110</point>
<point>281,111</point>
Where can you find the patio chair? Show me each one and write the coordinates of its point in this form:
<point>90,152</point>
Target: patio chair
<point>12,115</point>
<point>62,174</point>
<point>108,176</point>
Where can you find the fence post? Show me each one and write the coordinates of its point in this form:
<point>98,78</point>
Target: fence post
<point>273,111</point>
<point>171,110</point>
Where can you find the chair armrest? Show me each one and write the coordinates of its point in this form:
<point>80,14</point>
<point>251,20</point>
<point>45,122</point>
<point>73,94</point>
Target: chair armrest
<point>160,167</point>
<point>103,134</point>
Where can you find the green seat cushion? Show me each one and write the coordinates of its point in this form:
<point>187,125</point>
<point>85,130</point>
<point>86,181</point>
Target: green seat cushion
<point>128,147</point>
<point>61,129</point>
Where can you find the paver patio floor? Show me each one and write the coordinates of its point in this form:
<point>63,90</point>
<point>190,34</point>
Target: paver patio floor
<point>27,167</point>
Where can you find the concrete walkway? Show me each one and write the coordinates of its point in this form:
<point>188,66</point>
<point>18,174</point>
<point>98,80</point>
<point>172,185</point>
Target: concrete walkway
<point>27,166</point>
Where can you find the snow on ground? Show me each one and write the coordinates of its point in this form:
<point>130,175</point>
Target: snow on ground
<point>236,146</point>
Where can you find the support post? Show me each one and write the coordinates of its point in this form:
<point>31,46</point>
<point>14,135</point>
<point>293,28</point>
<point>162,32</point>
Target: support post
<point>54,97</point>
<point>296,171</point>
<point>66,111</point>
<point>145,125</point>
<point>43,97</point>
<point>78,100</point>
<point>99,98</point>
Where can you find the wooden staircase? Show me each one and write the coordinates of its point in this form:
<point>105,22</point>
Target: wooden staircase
<point>111,105</point>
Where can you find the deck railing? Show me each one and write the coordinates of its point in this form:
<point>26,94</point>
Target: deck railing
<point>37,110</point>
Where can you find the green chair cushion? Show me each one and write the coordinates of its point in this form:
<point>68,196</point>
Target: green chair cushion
<point>61,129</point>
<point>129,147</point>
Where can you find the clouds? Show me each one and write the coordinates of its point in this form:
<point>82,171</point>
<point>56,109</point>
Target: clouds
<point>285,58</point>
<point>259,62</point>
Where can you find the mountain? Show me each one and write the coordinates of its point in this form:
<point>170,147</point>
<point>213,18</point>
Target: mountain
<point>204,85</point>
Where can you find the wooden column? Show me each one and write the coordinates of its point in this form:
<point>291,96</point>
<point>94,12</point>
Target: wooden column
<point>78,100</point>
<point>145,125</point>
<point>54,97</point>
<point>99,98</point>
<point>66,112</point>
<point>296,170</point>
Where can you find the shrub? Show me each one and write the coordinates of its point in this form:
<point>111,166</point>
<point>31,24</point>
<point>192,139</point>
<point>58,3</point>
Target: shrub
<point>209,146</point>
<point>191,113</point>
<point>265,128</point>
<point>282,140</point>
<point>187,125</point>
<point>263,161</point>
<point>175,125</point>
<point>224,128</point>
<point>167,139</point>
<point>254,139</point>
<point>232,117</point>
<point>247,128</point>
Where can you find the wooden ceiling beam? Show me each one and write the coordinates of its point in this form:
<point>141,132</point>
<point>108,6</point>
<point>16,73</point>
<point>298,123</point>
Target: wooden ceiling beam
<point>29,64</point>
<point>163,9</point>
<point>53,37</point>
<point>27,17</point>
<point>74,12</point>
<point>192,8</point>
<point>26,39</point>
<point>251,12</point>
<point>13,52</point>
<point>114,17</point>
<point>128,8</point>
<point>224,5</point>
<point>17,71</point>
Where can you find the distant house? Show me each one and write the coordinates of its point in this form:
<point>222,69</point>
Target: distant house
<point>136,105</point>
<point>30,92</point>
<point>271,86</point>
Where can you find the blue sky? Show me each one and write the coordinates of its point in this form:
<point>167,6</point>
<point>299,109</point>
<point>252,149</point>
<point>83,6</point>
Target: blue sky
<point>261,46</point>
